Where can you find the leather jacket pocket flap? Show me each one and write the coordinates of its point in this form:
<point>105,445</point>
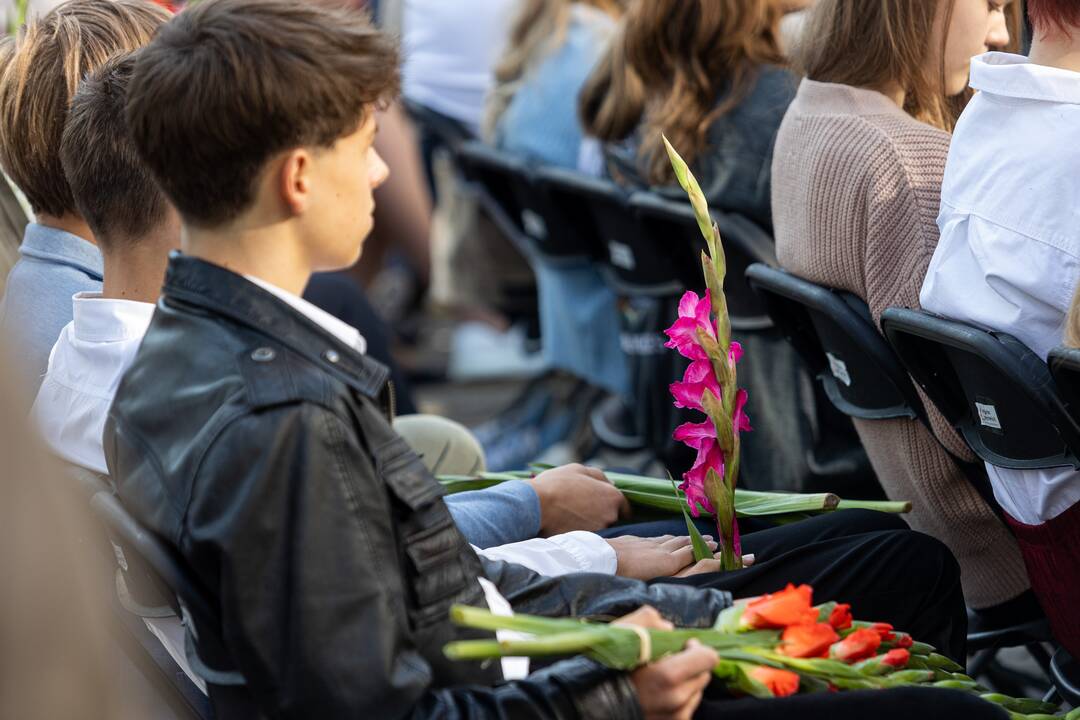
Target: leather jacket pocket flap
<point>406,475</point>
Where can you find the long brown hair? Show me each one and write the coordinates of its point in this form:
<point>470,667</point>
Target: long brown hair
<point>540,27</point>
<point>668,67</point>
<point>875,44</point>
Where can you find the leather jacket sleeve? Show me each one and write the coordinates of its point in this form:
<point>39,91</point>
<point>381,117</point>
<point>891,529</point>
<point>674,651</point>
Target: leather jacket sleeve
<point>274,526</point>
<point>596,596</point>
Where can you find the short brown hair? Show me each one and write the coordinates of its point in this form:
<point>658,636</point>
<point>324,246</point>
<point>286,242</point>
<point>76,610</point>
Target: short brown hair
<point>227,84</point>
<point>40,70</point>
<point>113,188</point>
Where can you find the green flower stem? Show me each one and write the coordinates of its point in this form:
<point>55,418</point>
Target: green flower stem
<point>896,508</point>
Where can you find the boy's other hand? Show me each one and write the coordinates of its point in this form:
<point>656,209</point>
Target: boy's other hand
<point>648,558</point>
<point>576,497</point>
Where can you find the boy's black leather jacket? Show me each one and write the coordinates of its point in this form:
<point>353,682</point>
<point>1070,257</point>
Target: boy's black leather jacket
<point>258,445</point>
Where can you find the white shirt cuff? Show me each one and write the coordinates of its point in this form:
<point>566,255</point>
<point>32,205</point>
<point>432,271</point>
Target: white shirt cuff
<point>559,555</point>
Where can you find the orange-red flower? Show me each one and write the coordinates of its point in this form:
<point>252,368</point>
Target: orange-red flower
<point>790,606</point>
<point>780,683</point>
<point>808,641</point>
<point>897,658</point>
<point>859,645</point>
<point>884,631</point>
<point>840,617</point>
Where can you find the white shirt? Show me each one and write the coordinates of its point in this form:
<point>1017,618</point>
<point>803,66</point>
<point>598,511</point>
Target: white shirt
<point>450,50</point>
<point>99,345</point>
<point>1009,254</point>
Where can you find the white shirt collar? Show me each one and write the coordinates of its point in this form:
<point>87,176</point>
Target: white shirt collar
<point>1014,76</point>
<point>104,320</point>
<point>85,367</point>
<point>341,330</point>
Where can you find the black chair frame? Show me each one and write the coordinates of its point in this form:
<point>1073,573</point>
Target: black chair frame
<point>136,544</point>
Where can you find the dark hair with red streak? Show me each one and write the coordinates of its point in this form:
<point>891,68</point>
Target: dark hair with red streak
<point>1054,14</point>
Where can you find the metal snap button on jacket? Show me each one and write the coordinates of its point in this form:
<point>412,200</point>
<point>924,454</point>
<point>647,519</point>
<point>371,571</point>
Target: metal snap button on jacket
<point>263,354</point>
<point>331,356</point>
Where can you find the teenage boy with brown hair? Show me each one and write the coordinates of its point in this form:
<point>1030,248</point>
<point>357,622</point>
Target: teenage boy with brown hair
<point>40,69</point>
<point>252,436</point>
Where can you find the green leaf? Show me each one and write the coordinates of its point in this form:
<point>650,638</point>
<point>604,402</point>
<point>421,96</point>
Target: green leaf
<point>701,548</point>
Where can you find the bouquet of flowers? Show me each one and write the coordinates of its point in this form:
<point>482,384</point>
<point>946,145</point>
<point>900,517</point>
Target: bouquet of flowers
<point>772,646</point>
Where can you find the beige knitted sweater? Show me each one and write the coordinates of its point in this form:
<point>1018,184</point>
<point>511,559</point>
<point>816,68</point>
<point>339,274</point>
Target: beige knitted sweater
<point>856,187</point>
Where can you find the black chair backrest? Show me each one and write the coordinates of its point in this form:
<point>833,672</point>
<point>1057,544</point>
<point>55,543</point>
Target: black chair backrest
<point>495,179</point>
<point>580,210</point>
<point>138,547</point>
<point>1064,365</point>
<point>835,335</point>
<point>996,392</point>
<point>511,183</point>
<point>672,244</point>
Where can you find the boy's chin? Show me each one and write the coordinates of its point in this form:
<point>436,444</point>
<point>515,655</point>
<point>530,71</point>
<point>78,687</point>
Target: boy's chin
<point>342,259</point>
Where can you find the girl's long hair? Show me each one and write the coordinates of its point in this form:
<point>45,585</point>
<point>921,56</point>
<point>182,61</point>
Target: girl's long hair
<point>670,64</point>
<point>886,42</point>
<point>539,27</point>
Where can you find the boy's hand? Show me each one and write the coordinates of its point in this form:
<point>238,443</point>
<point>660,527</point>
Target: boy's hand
<point>648,558</point>
<point>575,497</point>
<point>671,688</point>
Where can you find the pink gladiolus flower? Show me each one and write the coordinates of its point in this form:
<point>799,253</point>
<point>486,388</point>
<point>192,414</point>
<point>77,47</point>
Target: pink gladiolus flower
<point>742,422</point>
<point>694,313</point>
<point>699,377</point>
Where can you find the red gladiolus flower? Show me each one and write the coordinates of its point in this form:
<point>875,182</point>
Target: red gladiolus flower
<point>903,640</point>
<point>859,645</point>
<point>790,606</point>
<point>840,617</point>
<point>808,641</point>
<point>780,683</point>
<point>897,658</point>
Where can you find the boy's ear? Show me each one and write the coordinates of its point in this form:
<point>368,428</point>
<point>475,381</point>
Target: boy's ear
<point>295,180</point>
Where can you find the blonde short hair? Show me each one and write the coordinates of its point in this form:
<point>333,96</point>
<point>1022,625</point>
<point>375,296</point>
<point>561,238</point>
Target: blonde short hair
<point>40,69</point>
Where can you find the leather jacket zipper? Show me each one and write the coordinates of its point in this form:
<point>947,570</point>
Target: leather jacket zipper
<point>391,397</point>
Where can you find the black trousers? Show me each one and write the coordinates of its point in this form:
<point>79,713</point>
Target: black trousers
<point>887,573</point>
<point>899,704</point>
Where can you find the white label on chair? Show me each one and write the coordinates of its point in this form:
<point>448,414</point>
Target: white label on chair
<point>534,225</point>
<point>838,368</point>
<point>621,255</point>
<point>988,416</point>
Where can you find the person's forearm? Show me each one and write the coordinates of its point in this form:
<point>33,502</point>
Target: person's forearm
<point>500,515</point>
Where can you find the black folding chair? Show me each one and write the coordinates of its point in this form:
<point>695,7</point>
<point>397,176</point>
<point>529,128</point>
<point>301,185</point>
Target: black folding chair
<point>674,244</point>
<point>835,335</point>
<point>152,572</point>
<point>996,392</point>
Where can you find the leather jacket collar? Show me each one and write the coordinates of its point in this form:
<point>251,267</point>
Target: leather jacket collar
<point>197,283</point>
